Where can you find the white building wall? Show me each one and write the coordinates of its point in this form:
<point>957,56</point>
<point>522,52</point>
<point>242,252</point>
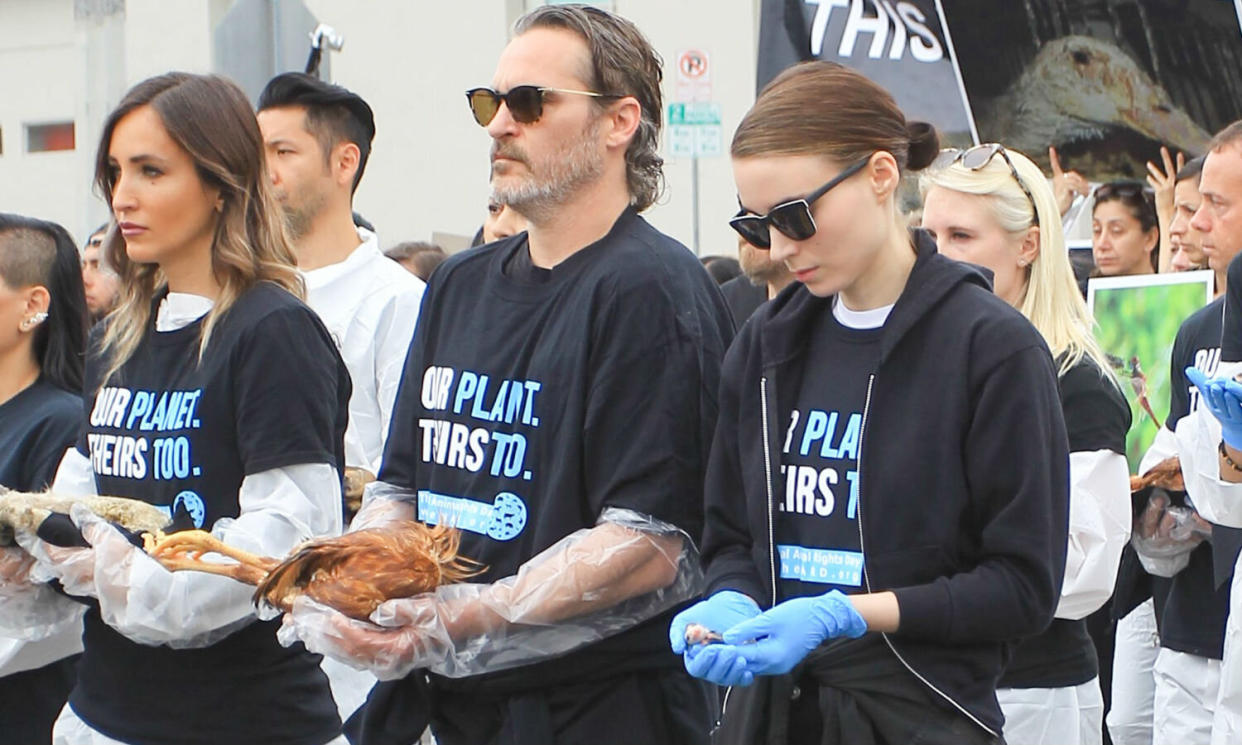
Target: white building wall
<point>40,82</point>
<point>411,60</point>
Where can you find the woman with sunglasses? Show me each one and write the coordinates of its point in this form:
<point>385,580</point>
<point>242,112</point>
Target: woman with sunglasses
<point>876,536</point>
<point>1124,229</point>
<point>1000,213</point>
<point>43,321</point>
<point>214,393</point>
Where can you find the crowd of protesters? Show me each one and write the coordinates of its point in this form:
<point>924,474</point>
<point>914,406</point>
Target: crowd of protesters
<point>866,483</point>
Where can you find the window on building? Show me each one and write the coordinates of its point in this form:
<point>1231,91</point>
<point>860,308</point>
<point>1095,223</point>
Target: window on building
<point>42,138</point>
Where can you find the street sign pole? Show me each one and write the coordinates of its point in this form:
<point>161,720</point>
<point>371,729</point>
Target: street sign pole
<point>694,133</point>
<point>694,198</point>
<point>694,110</point>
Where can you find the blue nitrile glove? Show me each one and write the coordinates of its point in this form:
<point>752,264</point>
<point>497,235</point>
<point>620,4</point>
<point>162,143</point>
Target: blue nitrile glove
<point>721,611</point>
<point>1223,398</point>
<point>787,633</point>
<point>721,664</point>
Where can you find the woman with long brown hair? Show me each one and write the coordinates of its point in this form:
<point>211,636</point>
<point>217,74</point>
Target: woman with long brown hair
<point>876,535</point>
<point>214,393</point>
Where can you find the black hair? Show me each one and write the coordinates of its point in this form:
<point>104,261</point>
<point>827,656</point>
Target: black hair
<point>38,252</point>
<point>1135,195</point>
<point>1193,169</point>
<point>722,268</point>
<point>101,229</point>
<point>333,114</point>
<point>420,256</point>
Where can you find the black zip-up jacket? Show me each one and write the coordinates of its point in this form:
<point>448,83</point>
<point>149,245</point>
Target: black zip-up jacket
<point>963,472</point>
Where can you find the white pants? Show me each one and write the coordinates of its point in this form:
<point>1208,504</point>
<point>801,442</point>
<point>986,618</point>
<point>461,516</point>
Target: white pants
<point>1227,724</point>
<point>1186,688</point>
<point>1053,716</point>
<point>70,730</point>
<point>349,686</point>
<point>1134,688</point>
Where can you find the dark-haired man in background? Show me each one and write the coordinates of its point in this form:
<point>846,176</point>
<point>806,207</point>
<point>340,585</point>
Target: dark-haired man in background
<point>761,279</point>
<point>318,138</point>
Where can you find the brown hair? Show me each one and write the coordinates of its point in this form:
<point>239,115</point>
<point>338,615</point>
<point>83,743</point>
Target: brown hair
<point>624,63</point>
<point>209,117</point>
<point>824,108</point>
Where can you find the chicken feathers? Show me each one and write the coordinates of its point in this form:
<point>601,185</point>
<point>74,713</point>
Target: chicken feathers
<point>352,573</point>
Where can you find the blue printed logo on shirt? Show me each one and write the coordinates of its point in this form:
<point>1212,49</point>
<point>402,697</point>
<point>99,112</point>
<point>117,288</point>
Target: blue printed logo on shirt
<point>823,566</point>
<point>502,520</point>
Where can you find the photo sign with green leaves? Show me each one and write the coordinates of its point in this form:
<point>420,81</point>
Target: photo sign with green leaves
<point>1137,319</point>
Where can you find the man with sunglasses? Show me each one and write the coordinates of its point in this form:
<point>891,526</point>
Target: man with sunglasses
<point>558,404</point>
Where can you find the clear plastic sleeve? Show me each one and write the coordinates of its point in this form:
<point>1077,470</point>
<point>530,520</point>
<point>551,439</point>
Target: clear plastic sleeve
<point>142,600</point>
<point>590,585</point>
<point>30,610</point>
<point>382,504</point>
<point>1165,534</point>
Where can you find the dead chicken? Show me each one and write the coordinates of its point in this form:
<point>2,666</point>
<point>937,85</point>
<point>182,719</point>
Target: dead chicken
<point>26,511</point>
<point>352,573</point>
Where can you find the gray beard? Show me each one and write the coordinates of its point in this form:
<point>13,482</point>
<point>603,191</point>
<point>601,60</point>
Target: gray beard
<point>567,172</point>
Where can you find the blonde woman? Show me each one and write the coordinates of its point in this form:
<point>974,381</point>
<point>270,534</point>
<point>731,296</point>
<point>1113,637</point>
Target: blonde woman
<point>212,392</point>
<point>992,207</point>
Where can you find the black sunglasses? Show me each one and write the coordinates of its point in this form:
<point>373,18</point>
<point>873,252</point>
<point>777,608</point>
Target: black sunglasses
<point>977,158</point>
<point>1120,189</point>
<point>525,102</point>
<point>792,218</point>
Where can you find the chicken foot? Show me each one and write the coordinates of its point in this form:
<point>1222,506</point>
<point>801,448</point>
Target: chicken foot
<point>183,551</point>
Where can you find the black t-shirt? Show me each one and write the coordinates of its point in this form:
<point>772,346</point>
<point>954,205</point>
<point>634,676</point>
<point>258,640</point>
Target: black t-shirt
<point>1195,610</point>
<point>270,391</point>
<point>534,399</point>
<point>743,298</point>
<point>1197,343</point>
<point>37,426</point>
<point>1097,417</point>
<point>1231,333</point>
<point>1192,619</point>
<point>816,525</point>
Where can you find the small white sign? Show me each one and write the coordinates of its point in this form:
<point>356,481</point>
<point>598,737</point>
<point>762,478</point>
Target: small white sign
<point>707,141</point>
<point>681,140</point>
<point>694,75</point>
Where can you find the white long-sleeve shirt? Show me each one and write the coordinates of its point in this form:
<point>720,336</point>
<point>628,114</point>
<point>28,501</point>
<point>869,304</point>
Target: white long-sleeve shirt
<point>370,305</point>
<point>1099,528</point>
<point>278,509</point>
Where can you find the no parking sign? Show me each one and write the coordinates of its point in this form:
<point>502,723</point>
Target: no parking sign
<point>694,77</point>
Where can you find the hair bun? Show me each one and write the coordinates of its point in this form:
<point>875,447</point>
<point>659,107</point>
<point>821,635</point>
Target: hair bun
<point>924,145</point>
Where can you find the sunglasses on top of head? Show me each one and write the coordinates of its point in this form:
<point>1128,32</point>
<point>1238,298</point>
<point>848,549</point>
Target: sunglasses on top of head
<point>793,218</point>
<point>977,158</point>
<point>525,102</point>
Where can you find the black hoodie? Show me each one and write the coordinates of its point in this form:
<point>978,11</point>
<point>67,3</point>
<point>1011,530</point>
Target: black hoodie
<point>963,472</point>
